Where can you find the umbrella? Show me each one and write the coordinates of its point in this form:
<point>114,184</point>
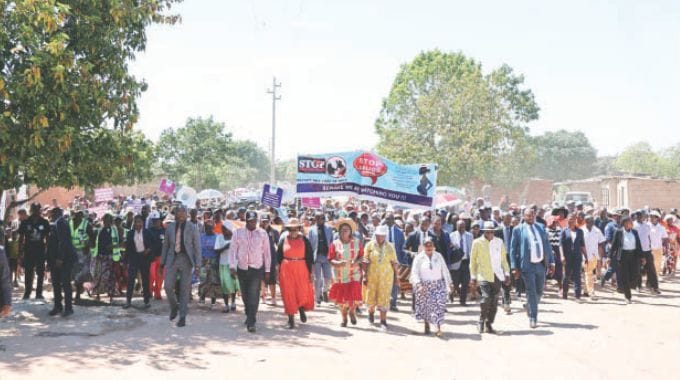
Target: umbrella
<point>209,194</point>
<point>446,200</point>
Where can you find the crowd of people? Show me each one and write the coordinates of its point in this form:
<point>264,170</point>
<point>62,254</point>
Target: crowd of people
<point>358,255</point>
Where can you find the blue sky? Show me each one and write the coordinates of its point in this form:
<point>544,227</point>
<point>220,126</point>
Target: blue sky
<point>608,68</point>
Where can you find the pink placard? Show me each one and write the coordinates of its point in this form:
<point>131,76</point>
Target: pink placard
<point>311,202</point>
<point>167,186</point>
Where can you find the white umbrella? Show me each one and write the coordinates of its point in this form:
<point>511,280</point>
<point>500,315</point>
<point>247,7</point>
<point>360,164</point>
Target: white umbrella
<point>209,194</point>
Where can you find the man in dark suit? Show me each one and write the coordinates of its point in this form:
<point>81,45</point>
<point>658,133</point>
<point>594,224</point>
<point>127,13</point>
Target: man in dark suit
<point>504,232</point>
<point>320,236</point>
<point>139,243</point>
<point>61,255</point>
<point>626,250</point>
<point>530,254</point>
<point>573,247</point>
<point>395,236</point>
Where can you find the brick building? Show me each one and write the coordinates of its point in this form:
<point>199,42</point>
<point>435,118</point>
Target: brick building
<point>627,191</point>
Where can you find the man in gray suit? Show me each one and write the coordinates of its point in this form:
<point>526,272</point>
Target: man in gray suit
<point>181,253</point>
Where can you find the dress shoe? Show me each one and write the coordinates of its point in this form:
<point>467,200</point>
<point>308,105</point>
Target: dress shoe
<point>173,314</point>
<point>303,316</point>
<point>251,329</point>
<point>371,318</point>
<point>67,313</point>
<point>126,306</point>
<point>325,297</point>
<point>533,324</point>
<point>55,311</point>
<point>182,322</point>
<point>480,327</point>
<point>147,305</point>
<point>489,328</point>
<point>291,322</point>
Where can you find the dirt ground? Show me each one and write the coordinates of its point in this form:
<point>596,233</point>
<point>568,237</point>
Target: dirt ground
<point>599,339</point>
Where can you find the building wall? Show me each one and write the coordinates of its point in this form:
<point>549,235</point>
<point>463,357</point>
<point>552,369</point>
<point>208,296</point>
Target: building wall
<point>654,193</point>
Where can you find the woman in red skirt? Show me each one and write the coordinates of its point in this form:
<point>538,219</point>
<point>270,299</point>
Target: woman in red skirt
<point>346,256</point>
<point>296,257</point>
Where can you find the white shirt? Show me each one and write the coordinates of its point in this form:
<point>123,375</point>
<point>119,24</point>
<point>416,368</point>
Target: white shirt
<point>534,240</point>
<point>139,241</point>
<point>656,235</point>
<point>429,269</point>
<point>643,230</point>
<point>593,239</point>
<point>496,258</point>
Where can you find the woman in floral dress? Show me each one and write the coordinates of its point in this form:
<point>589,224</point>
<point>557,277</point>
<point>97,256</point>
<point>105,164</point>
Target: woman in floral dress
<point>431,279</point>
<point>346,256</point>
<point>381,270</point>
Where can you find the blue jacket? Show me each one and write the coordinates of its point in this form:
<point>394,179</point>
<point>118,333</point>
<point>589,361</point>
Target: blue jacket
<point>313,237</point>
<point>413,243</point>
<point>520,248</point>
<point>398,239</point>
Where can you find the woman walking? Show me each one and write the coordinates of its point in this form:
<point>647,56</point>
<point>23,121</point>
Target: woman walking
<point>346,256</point>
<point>382,268</point>
<point>228,281</point>
<point>296,257</point>
<point>107,243</point>
<point>431,279</point>
<point>209,286</point>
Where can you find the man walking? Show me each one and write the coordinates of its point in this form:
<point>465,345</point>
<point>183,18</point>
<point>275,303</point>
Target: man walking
<point>395,236</point>
<point>460,267</point>
<point>61,256</point>
<point>320,237</point>
<point>489,266</point>
<point>504,232</point>
<point>181,253</point>
<point>658,238</point>
<point>530,254</point>
<point>250,257</point>
<point>138,245</point>
<point>594,240</point>
<point>572,247</point>
<point>34,231</point>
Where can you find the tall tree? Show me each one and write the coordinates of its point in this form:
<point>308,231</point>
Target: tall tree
<point>563,155</point>
<point>202,154</point>
<point>639,158</point>
<point>67,100</point>
<point>442,108</point>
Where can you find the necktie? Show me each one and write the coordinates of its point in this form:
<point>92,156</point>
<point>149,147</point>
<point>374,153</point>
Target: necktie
<point>539,254</point>
<point>391,238</point>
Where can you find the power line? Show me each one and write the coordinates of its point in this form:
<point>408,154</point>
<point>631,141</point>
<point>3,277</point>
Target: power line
<point>272,91</point>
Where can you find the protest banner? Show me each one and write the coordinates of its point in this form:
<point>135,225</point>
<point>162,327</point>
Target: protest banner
<point>368,176</point>
<point>103,194</point>
<point>271,196</point>
<point>312,202</point>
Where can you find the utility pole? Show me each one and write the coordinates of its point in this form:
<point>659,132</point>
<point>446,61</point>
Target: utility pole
<point>272,175</point>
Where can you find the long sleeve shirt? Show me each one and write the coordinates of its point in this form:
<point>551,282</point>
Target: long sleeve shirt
<point>429,269</point>
<point>488,259</point>
<point>250,249</point>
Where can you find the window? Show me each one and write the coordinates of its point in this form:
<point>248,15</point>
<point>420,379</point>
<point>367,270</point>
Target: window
<point>605,197</point>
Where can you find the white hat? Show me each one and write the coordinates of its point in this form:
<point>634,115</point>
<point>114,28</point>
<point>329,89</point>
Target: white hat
<point>655,213</point>
<point>382,230</point>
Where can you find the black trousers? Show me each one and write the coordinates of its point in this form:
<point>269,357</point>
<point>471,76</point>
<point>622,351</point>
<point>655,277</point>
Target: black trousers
<point>61,282</point>
<point>250,281</point>
<point>650,271</point>
<point>138,263</point>
<point>461,280</point>
<point>34,263</point>
<point>489,302</point>
<point>629,268</point>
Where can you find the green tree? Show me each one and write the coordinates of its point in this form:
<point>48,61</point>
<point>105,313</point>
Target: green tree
<point>286,170</point>
<point>639,158</point>
<point>604,165</point>
<point>67,100</point>
<point>563,155</point>
<point>442,108</point>
<point>203,155</point>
